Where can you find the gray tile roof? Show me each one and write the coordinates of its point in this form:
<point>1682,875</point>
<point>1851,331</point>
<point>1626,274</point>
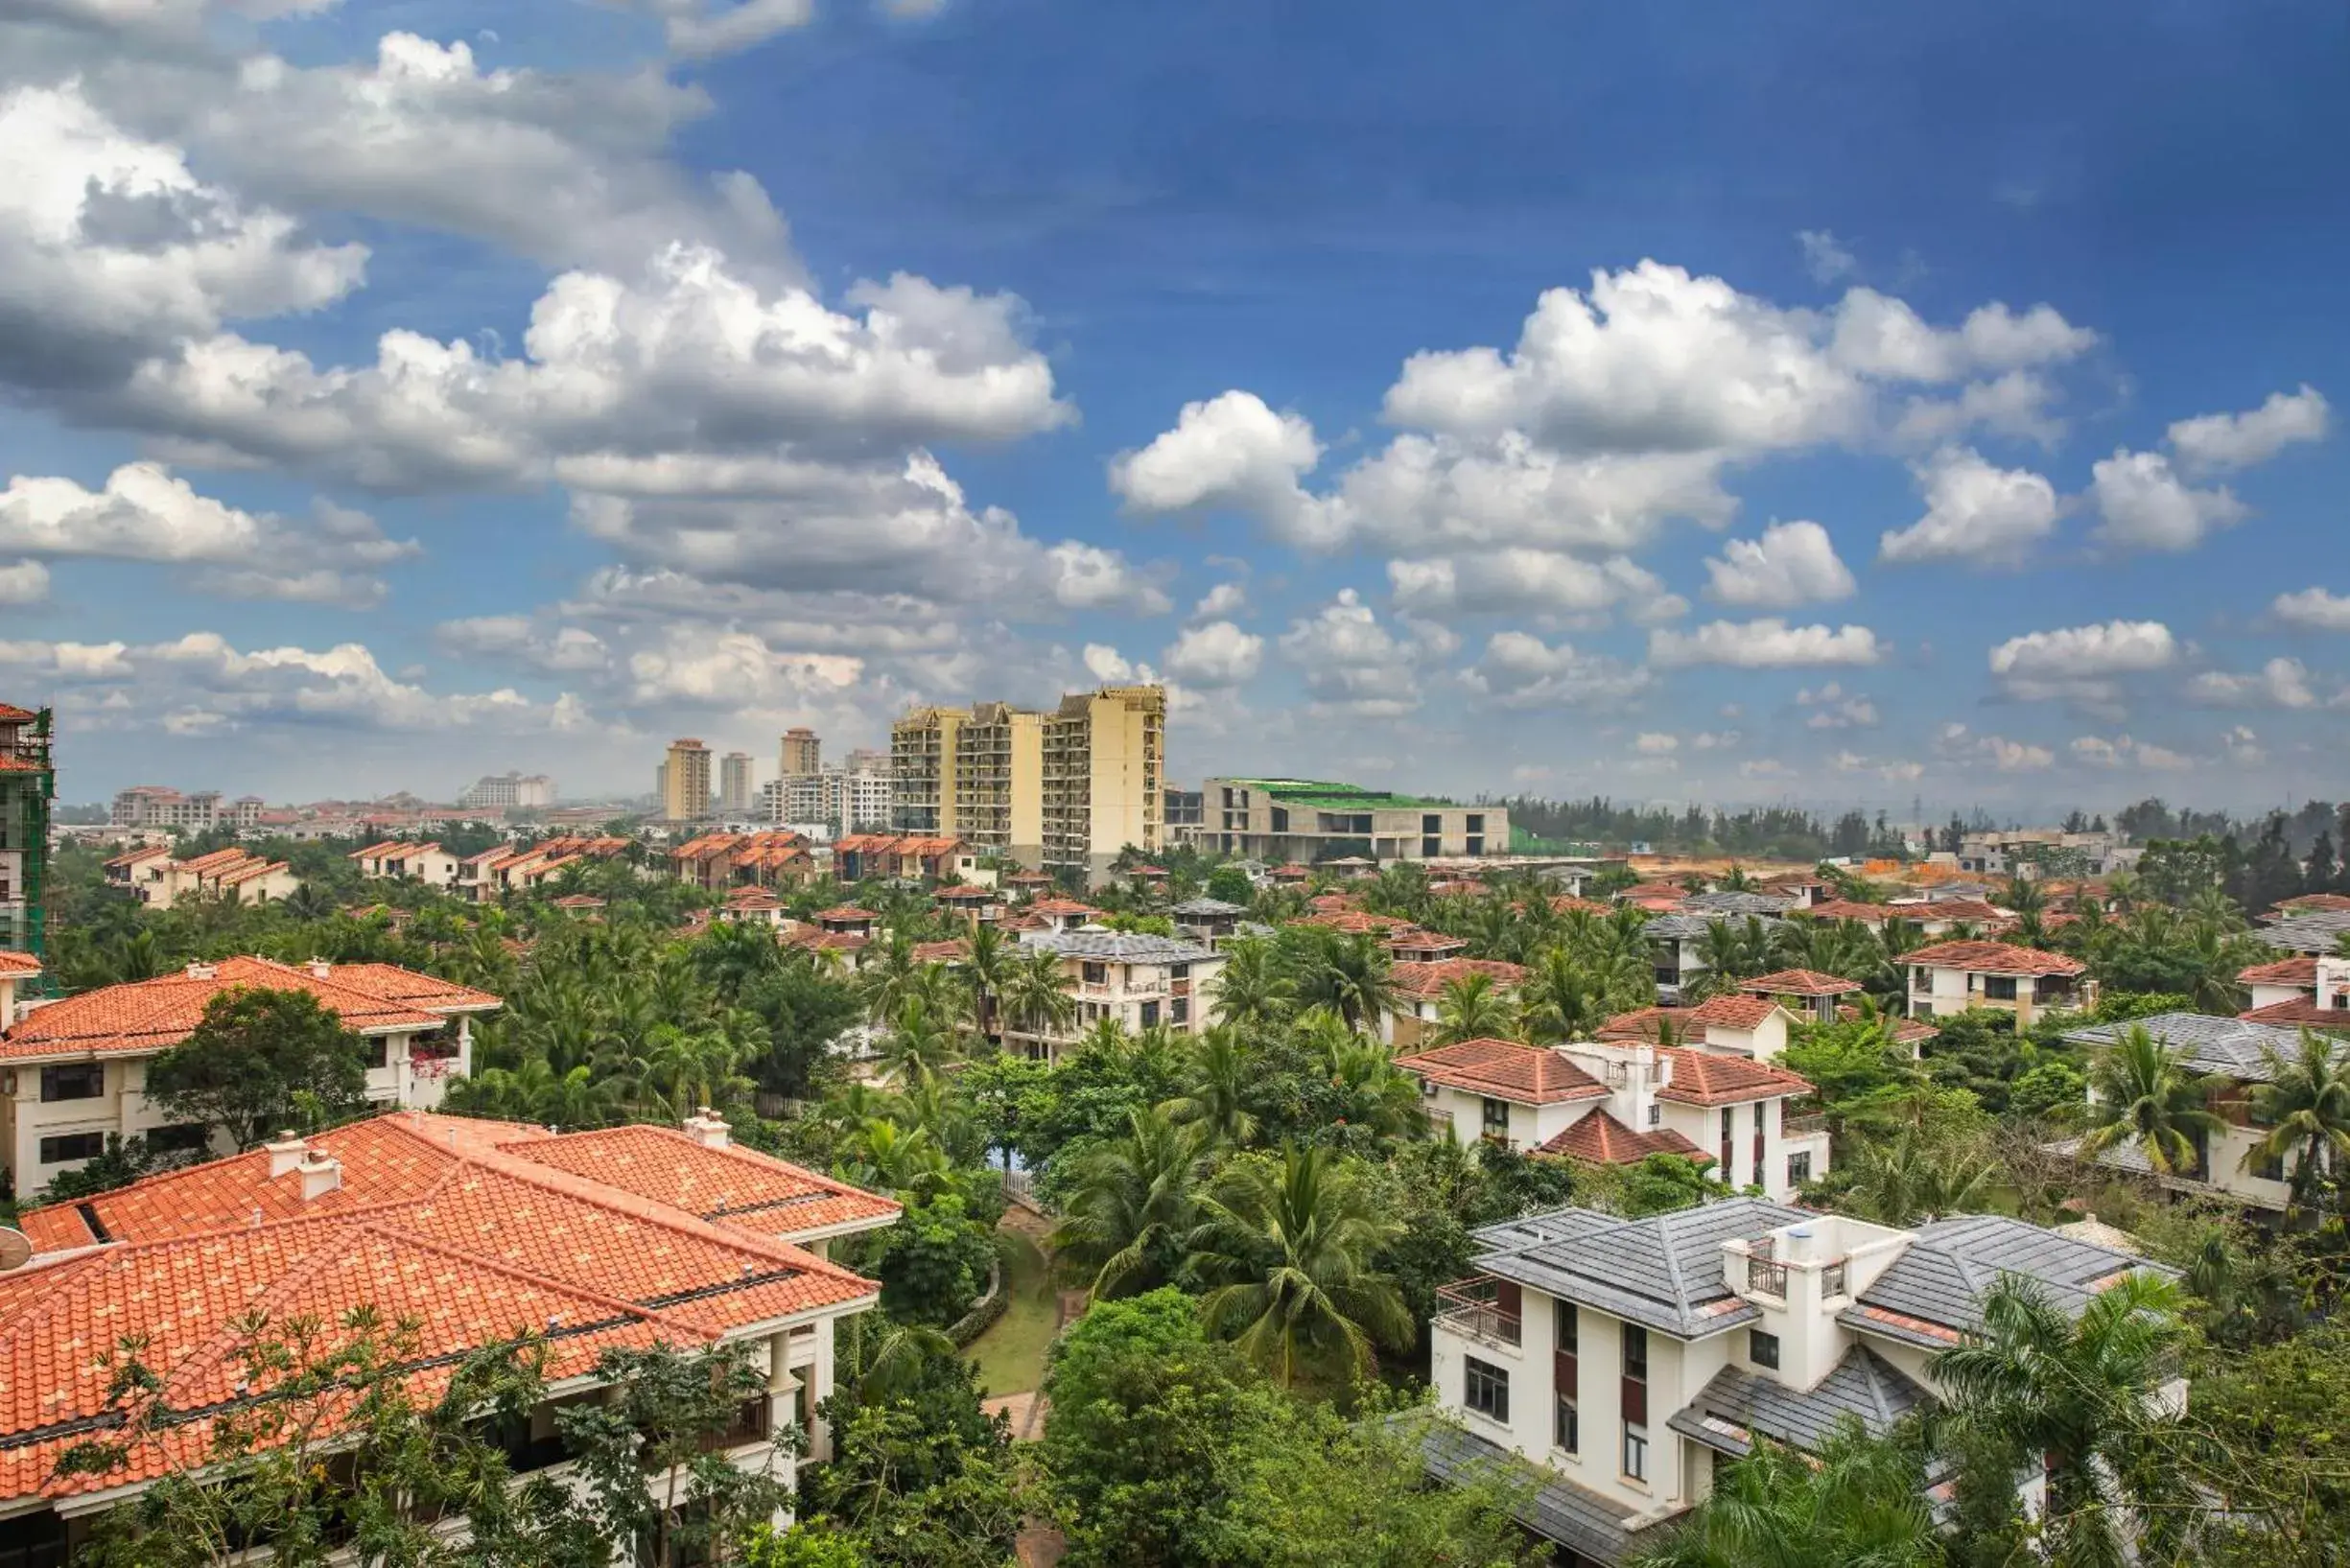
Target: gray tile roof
<point>1581,1520</point>
<point>1689,928</point>
<point>1721,904</point>
<point>1118,947</point>
<point>2314,933</point>
<point>2231,1047</point>
<point>1734,1405</point>
<point>1208,908</point>
<point>1932,1293</point>
<point>1664,1272</point>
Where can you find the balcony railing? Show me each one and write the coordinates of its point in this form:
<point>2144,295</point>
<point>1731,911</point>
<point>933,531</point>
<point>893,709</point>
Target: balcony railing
<point>1804,1125</point>
<point>1473,1306</point>
<point>1832,1280</point>
<point>1766,1278</point>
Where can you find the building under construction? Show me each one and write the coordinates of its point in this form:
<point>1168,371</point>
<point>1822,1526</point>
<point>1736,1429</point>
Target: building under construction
<point>28,784</point>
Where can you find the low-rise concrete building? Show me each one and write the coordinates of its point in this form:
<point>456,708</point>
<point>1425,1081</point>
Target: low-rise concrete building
<point>1312,821</point>
<point>1141,982</point>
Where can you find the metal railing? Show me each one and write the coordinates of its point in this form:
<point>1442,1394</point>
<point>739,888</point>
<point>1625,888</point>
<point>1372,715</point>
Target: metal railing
<point>1765,1276</point>
<point>1832,1280</point>
<point>1474,1307</point>
<point>1805,1124</point>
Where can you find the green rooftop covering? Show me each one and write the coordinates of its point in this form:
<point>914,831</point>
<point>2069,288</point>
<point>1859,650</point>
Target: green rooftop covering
<point>1321,795</point>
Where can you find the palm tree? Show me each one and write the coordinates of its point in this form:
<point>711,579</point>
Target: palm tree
<point>1858,1500</point>
<point>1223,1068</point>
<point>1730,953</point>
<point>2141,1095</point>
<point>1348,974</point>
<point>1470,1009</point>
<point>2305,1106</point>
<point>1373,1093</point>
<point>1557,1000</point>
<point>921,1039</point>
<point>886,977</point>
<point>2079,1396</point>
<point>1131,1202</point>
<point>1909,1178</point>
<point>1036,997</point>
<point>987,968</point>
<point>1290,1255</point>
<point>1253,990</point>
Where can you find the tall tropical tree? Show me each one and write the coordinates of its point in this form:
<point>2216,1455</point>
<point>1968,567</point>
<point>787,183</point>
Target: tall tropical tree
<point>1036,996</point>
<point>1731,951</point>
<point>1858,1500</point>
<point>2143,1095</point>
<point>1255,989</point>
<point>2305,1106</point>
<point>987,969</point>
<point>1471,1008</point>
<point>1217,1083</point>
<point>1347,975</point>
<point>1287,1249</point>
<point>1912,1176</point>
<point>2079,1396</point>
<point>921,1039</point>
<point>1559,1000</point>
<point>1131,1202</point>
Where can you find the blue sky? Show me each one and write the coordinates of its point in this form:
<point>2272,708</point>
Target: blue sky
<point>1675,402</point>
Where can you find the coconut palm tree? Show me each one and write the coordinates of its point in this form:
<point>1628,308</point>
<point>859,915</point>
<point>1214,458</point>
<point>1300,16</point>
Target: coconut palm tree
<point>1348,974</point>
<point>1036,997</point>
<point>2305,1106</point>
<point>886,975</point>
<point>987,967</point>
<point>1288,1253</point>
<point>1372,1091</point>
<point>1559,1001</point>
<point>1911,1177</point>
<point>1253,990</point>
<point>2141,1095</point>
<point>1221,1072</point>
<point>921,1039</point>
<point>1132,1201</point>
<point>1858,1499</point>
<point>1471,1007</point>
<point>2079,1396</point>
<point>1731,951</point>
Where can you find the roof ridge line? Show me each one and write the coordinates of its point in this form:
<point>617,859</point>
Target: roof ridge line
<point>513,1272</point>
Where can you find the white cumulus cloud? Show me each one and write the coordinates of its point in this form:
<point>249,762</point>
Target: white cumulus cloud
<point>2081,663</point>
<point>1768,644</point>
<point>1792,564</point>
<point>1976,513</point>
<point>2214,442</point>
<point>2312,609</point>
<point>1216,654</point>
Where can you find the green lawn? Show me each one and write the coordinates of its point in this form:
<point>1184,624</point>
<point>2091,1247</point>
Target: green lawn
<point>1011,1353</point>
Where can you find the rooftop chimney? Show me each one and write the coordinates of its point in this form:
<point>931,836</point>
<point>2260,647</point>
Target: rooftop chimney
<point>708,1129</point>
<point>320,967</point>
<point>321,1174</point>
<point>286,1150</point>
<point>200,971</point>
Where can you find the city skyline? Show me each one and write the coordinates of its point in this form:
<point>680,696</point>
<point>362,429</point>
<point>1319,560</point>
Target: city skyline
<point>1532,404</point>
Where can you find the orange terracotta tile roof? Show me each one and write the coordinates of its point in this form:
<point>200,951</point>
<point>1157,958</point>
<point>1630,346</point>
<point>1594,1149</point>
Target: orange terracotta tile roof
<point>1353,923</point>
<point>965,895</point>
<point>1992,958</point>
<point>952,950</point>
<point>148,1015</point>
<point>1599,1138</point>
<point>1425,941</point>
<point>1966,909</point>
<point>376,851</point>
<point>1643,1023</point>
<point>12,715</point>
<point>1800,983</point>
<point>1735,1012</point>
<point>212,862</point>
<point>862,843</point>
<point>1415,977</point>
<point>18,963</point>
<point>134,857</point>
<point>2301,1009</point>
<point>1060,906</point>
<point>1708,1077</point>
<point>245,873</point>
<point>924,849</point>
<point>846,911</point>
<point>479,1230</point>
<point>2300,969</point>
<point>1504,1069</point>
<point>2308,903</point>
<point>1029,876</point>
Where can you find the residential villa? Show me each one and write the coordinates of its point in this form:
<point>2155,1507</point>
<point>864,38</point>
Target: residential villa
<point>232,876</point>
<point>917,858</point>
<point>1141,981</point>
<point>1209,920</point>
<point>1952,976</point>
<point>1622,1361</point>
<point>1675,942</point>
<point>2306,990</point>
<point>717,861</point>
<point>475,1230</point>
<point>427,863</point>
<point>1618,1104</point>
<point>74,1072</point>
<point>1419,995</point>
<point>2234,1053</point>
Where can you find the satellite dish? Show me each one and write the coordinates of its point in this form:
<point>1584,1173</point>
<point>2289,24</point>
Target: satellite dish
<point>15,1248</point>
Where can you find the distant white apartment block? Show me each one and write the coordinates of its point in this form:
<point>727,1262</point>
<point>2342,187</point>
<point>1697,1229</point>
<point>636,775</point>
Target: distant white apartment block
<point>508,791</point>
